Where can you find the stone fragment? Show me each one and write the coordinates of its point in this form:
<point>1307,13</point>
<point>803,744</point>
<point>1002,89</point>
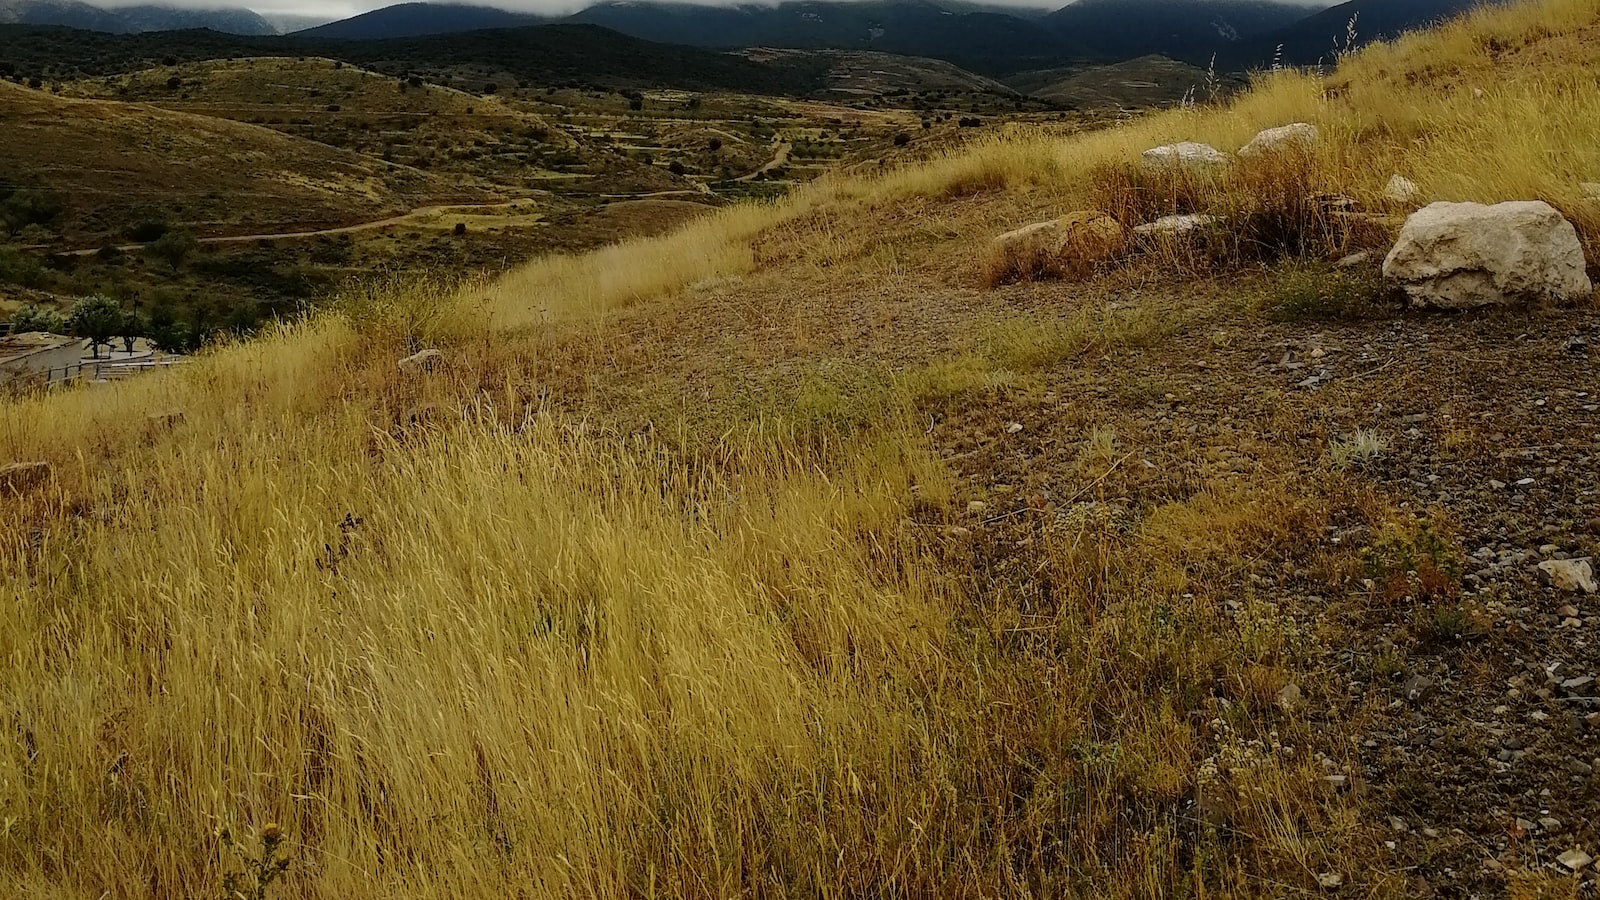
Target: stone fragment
<point>421,361</point>
<point>1575,860</point>
<point>1169,226</point>
<point>1401,189</point>
<point>1572,576</point>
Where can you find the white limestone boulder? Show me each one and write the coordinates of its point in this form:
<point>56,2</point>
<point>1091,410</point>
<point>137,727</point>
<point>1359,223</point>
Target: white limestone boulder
<point>1299,136</point>
<point>1185,155</point>
<point>1466,255</point>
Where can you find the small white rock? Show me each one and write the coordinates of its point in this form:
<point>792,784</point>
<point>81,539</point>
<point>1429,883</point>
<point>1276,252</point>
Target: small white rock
<point>1013,428</point>
<point>1175,225</point>
<point>1401,189</point>
<point>1330,881</point>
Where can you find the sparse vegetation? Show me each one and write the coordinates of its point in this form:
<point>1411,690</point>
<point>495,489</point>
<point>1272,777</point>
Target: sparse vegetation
<point>773,556</point>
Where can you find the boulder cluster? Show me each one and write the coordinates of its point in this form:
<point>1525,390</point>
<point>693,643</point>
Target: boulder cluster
<point>1447,255</point>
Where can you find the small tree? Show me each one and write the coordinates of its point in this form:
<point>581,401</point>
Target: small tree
<point>97,318</point>
<point>676,167</point>
<point>173,248</point>
<point>902,139</point>
<point>134,327</point>
<point>714,145</point>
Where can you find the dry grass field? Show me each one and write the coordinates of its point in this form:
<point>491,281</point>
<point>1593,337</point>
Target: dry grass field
<point>783,556</point>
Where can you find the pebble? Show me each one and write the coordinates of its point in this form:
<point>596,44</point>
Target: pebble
<point>1331,881</point>
<point>1288,698</point>
<point>1416,688</point>
<point>1013,428</point>
<point>976,507</point>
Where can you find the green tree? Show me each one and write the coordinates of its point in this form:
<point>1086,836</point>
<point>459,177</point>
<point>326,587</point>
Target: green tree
<point>134,326</point>
<point>173,248</point>
<point>97,318</point>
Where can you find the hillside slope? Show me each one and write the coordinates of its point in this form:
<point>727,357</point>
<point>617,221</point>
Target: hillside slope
<point>114,162</point>
<point>796,554</point>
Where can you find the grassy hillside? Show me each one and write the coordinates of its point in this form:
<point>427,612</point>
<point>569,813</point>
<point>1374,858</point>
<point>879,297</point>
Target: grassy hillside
<point>110,164</point>
<point>781,556</point>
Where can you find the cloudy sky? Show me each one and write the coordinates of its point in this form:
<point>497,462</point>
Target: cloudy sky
<point>329,10</point>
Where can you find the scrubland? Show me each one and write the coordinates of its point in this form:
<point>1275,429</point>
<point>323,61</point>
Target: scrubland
<point>666,582</point>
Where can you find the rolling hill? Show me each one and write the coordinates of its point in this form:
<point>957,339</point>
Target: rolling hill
<point>113,163</point>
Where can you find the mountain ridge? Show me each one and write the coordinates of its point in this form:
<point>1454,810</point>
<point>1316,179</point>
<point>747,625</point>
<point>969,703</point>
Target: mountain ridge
<point>132,19</point>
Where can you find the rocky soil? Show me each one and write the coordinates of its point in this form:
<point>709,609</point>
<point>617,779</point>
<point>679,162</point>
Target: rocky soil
<point>1468,697</point>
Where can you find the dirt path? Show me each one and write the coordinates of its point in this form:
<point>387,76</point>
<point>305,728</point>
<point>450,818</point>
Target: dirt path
<point>421,212</point>
<point>780,157</point>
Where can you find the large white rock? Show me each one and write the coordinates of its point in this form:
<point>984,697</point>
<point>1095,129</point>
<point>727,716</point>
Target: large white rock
<point>1085,236</point>
<point>1299,136</point>
<point>1464,255</point>
<point>1184,155</point>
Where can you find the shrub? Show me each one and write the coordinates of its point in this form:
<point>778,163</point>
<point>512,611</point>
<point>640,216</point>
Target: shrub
<point>902,139</point>
<point>35,318</point>
<point>173,248</point>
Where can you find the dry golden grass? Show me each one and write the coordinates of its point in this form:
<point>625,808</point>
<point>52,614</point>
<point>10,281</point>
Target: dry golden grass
<point>455,641</point>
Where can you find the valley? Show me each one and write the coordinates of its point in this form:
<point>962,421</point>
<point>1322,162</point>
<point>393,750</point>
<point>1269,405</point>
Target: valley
<point>276,181</point>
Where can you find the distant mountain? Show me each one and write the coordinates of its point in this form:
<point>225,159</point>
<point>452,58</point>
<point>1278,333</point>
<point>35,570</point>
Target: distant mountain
<point>130,19</point>
<point>421,19</point>
<point>979,38</point>
<point>1313,39</point>
<point>288,23</point>
<point>1191,30</point>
